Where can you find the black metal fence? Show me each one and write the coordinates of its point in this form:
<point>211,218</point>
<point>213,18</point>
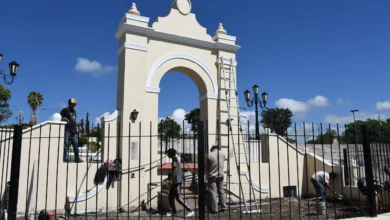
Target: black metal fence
<point>125,172</point>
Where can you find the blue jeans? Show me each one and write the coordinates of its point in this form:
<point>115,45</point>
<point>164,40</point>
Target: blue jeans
<point>73,137</point>
<point>319,189</point>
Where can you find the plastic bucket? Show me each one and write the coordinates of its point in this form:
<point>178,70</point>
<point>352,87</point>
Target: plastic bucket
<point>321,208</point>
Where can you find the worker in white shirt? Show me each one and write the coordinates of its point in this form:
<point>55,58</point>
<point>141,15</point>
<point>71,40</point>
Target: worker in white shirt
<point>320,180</point>
<point>215,169</point>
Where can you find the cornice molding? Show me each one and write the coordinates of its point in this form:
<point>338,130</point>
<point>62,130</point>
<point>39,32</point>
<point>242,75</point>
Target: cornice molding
<point>224,37</point>
<point>208,96</point>
<point>132,47</point>
<point>152,90</point>
<point>151,33</point>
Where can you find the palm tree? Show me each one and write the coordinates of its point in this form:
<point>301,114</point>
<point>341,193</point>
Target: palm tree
<point>34,99</point>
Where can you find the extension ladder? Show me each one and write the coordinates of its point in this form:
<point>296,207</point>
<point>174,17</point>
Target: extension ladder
<point>239,146</point>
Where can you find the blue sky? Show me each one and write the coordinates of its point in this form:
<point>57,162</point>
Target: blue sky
<point>320,58</point>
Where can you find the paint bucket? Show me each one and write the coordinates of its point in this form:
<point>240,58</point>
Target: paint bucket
<point>321,208</point>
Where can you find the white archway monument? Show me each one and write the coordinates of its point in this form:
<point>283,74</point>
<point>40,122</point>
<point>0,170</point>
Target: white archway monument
<point>176,42</point>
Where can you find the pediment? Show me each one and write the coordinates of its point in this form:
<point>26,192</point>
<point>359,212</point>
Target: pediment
<point>179,23</point>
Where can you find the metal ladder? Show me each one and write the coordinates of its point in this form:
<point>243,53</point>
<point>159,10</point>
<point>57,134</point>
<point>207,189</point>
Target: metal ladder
<point>239,146</point>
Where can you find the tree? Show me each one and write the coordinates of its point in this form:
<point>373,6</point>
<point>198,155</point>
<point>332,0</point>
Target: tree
<point>327,137</point>
<point>96,132</point>
<point>168,128</point>
<point>193,118</point>
<point>377,130</point>
<point>34,99</point>
<point>5,95</point>
<point>278,120</point>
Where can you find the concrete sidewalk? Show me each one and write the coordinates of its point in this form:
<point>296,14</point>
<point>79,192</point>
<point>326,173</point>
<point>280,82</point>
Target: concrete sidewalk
<point>379,217</point>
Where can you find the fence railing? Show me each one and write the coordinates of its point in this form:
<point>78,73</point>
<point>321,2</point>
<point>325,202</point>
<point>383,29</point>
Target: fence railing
<point>125,172</point>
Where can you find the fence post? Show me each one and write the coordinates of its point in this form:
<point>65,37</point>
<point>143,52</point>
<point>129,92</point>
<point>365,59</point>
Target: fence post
<point>15,171</point>
<point>371,202</point>
<point>346,168</point>
<point>202,188</point>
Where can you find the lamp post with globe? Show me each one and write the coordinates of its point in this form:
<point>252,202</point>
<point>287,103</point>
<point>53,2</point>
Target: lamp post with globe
<point>257,103</point>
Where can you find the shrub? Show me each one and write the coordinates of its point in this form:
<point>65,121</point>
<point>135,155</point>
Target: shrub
<point>83,141</point>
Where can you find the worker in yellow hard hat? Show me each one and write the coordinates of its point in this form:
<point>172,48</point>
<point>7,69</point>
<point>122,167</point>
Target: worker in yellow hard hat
<point>69,115</point>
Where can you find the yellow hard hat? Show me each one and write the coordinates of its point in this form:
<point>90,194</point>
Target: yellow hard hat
<point>72,101</point>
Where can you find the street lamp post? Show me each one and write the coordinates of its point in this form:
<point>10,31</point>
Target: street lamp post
<point>258,103</point>
<point>354,123</point>
<point>13,69</point>
<point>353,113</point>
<point>356,153</point>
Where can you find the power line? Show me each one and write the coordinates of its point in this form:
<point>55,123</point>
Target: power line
<point>56,110</point>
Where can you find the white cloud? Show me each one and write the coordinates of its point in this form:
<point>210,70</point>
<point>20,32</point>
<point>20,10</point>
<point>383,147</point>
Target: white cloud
<point>178,116</point>
<point>318,101</point>
<point>300,106</point>
<point>383,105</point>
<point>251,117</point>
<point>341,120</point>
<point>305,130</point>
<point>343,101</point>
<point>334,119</point>
<point>293,105</point>
<point>94,68</point>
<point>97,120</point>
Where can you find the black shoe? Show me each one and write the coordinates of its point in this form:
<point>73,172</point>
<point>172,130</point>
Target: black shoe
<point>79,161</point>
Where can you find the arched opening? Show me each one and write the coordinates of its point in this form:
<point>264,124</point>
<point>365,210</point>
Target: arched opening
<point>179,95</point>
<point>205,83</point>
<point>178,92</point>
<point>184,88</point>
<point>177,84</point>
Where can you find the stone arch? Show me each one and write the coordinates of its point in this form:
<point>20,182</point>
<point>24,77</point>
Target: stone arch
<point>203,77</point>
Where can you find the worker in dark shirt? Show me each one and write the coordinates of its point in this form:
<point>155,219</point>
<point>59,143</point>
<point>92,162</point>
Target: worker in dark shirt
<point>69,115</point>
<point>175,181</point>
